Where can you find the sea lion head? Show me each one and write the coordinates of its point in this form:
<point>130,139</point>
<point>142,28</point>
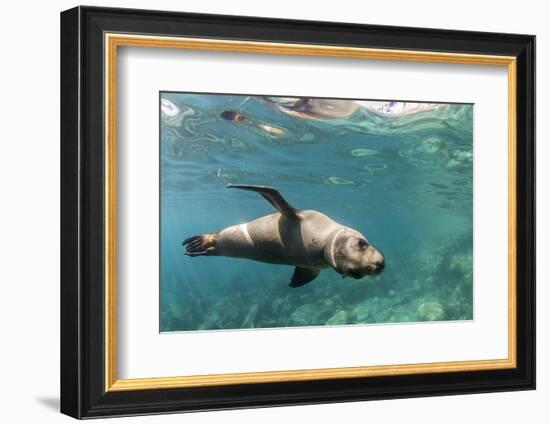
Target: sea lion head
<point>351,254</point>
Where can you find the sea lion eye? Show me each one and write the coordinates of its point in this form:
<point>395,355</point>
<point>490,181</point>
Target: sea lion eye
<point>362,243</point>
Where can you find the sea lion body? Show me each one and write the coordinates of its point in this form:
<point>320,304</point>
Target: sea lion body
<point>276,239</point>
<point>306,239</point>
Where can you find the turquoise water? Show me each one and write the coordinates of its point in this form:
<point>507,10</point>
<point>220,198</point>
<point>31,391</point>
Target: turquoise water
<point>404,182</point>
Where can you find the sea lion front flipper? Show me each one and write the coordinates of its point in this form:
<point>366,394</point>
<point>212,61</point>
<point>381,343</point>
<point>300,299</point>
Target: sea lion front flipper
<point>303,275</point>
<point>271,195</point>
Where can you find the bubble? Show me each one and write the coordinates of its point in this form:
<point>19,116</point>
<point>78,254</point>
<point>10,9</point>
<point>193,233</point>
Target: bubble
<point>235,175</point>
<point>362,152</point>
<point>370,169</point>
<point>338,180</point>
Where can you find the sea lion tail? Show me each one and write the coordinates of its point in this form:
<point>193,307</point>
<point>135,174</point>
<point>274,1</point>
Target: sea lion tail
<point>204,244</point>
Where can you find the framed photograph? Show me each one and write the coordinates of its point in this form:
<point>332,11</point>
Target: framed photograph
<point>261,212</point>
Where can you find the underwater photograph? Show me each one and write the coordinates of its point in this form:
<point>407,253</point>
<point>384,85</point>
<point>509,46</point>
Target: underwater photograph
<point>304,211</point>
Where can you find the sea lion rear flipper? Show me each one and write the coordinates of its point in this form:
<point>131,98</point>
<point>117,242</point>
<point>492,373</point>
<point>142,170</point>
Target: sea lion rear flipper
<point>204,244</point>
<point>303,275</point>
<point>272,195</point>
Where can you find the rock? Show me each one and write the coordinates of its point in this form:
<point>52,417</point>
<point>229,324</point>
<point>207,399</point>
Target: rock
<point>430,311</point>
<point>363,312</point>
<point>303,316</point>
<point>338,318</point>
<point>453,163</point>
<point>250,318</point>
<point>400,316</point>
<point>332,304</point>
<point>461,264</point>
<point>210,320</point>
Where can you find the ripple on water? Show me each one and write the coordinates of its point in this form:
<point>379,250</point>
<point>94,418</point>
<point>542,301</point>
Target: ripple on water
<point>234,143</point>
<point>169,108</point>
<point>173,115</point>
<point>307,137</point>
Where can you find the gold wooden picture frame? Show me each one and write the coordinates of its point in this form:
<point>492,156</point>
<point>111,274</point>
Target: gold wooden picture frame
<point>91,40</point>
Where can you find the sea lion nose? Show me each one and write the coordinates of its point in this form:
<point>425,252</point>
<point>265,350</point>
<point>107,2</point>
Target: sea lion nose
<point>380,264</point>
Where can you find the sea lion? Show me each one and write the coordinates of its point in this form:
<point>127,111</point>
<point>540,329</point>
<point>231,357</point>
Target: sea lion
<point>306,239</point>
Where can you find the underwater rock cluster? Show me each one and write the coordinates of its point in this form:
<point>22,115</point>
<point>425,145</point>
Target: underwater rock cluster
<point>430,311</point>
<point>439,288</point>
